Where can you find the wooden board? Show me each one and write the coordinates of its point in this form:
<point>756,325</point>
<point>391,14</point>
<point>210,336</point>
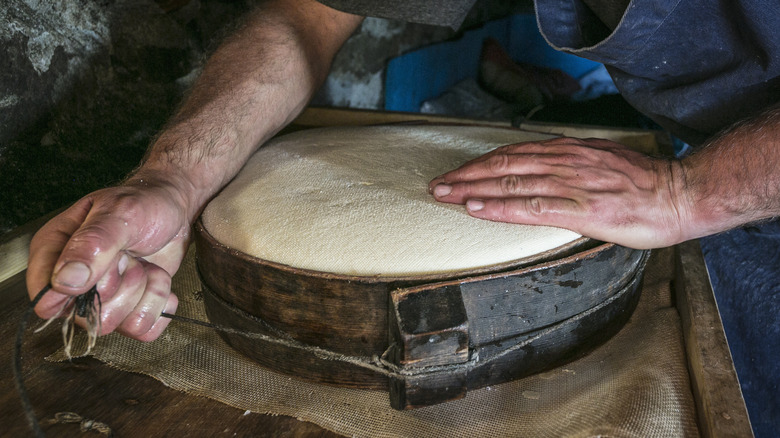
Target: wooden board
<point>135,405</point>
<point>651,142</point>
<point>132,405</point>
<point>719,403</point>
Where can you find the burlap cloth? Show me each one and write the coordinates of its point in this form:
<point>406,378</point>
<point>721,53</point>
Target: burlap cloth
<point>635,385</point>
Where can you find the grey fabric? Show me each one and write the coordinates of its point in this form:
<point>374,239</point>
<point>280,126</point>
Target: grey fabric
<point>436,12</point>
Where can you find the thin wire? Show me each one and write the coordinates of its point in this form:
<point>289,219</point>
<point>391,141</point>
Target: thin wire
<point>381,365</point>
<point>17,366</point>
<point>377,364</point>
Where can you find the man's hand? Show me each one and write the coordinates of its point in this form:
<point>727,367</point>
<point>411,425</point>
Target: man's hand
<point>128,240</point>
<point>597,188</point>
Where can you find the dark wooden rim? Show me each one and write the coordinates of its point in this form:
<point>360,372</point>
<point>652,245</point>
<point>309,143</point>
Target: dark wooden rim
<point>597,251</point>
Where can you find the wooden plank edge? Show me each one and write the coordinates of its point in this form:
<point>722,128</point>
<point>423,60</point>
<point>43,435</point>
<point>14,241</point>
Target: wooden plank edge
<point>15,246</point>
<point>646,141</point>
<point>641,140</point>
<point>720,406</point>
<point>322,116</point>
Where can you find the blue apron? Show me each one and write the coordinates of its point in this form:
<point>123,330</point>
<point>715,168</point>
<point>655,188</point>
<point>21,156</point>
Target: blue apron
<point>696,67</point>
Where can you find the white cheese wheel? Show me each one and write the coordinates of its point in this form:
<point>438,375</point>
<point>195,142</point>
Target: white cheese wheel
<point>355,201</point>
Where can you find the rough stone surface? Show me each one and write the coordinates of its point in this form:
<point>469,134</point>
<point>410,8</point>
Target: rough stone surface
<point>86,84</point>
<point>357,75</point>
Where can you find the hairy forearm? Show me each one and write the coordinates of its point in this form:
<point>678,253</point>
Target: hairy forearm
<point>252,86</point>
<point>735,178</point>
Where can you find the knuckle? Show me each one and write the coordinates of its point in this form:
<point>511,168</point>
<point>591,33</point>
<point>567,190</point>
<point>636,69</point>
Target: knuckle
<point>498,163</point>
<point>121,205</point>
<point>126,208</point>
<point>572,160</point>
<point>535,206</point>
<point>159,290</point>
<point>134,276</point>
<point>140,320</point>
<point>159,281</point>
<point>93,238</point>
<point>510,184</point>
<point>136,324</point>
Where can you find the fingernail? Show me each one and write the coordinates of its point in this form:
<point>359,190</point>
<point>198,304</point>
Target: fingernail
<point>475,205</point>
<point>442,190</point>
<point>73,274</point>
<point>121,266</point>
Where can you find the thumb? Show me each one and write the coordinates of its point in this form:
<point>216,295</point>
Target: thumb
<point>75,249</point>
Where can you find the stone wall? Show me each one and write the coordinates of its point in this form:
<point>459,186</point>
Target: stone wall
<point>86,84</point>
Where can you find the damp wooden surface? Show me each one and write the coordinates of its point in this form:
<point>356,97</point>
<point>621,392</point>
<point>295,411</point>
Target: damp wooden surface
<point>719,404</point>
<point>130,404</point>
<point>136,405</point>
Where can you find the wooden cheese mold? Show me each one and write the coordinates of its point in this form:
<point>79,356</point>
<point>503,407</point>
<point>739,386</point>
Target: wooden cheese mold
<point>425,339</point>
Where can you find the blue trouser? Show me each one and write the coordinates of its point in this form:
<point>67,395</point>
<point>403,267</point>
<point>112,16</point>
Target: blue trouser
<point>744,267</point>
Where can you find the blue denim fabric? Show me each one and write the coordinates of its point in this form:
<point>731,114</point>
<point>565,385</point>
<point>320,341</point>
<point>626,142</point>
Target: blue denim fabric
<point>694,66</point>
<point>744,267</point>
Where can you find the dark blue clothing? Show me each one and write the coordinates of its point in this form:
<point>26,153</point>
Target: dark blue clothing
<point>696,67</point>
<point>744,265</point>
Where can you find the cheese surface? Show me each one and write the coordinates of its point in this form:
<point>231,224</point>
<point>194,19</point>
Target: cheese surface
<point>355,201</point>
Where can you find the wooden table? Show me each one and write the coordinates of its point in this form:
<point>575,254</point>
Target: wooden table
<point>133,405</point>
<point>136,405</point>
